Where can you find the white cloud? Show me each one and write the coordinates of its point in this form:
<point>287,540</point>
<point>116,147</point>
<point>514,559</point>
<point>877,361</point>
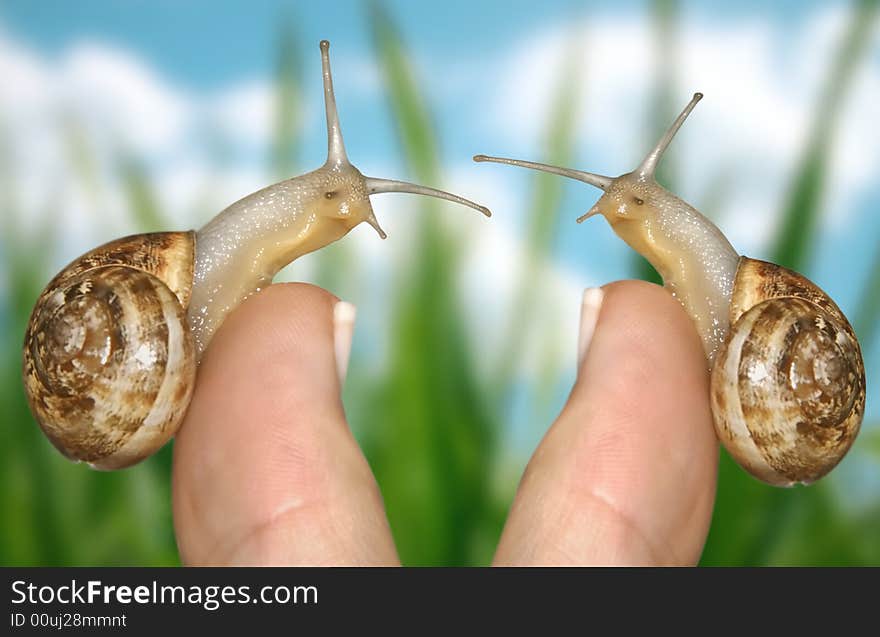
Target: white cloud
<point>245,111</point>
<point>753,121</point>
<point>116,94</point>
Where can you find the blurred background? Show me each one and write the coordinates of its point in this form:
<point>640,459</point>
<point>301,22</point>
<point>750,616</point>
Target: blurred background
<point>118,118</point>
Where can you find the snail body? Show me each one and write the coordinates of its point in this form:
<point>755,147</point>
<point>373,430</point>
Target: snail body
<point>113,343</point>
<point>787,386</point>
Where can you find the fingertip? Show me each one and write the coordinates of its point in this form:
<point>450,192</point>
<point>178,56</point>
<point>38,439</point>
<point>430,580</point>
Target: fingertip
<point>272,323</point>
<point>265,467</point>
<point>649,442</point>
<point>644,326</point>
<point>627,472</point>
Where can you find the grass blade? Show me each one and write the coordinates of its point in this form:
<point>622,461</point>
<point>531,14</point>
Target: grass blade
<point>433,458</point>
<point>800,214</point>
<point>542,222</point>
<point>867,314</point>
<point>664,15</point>
<point>142,201</point>
<point>288,103</point>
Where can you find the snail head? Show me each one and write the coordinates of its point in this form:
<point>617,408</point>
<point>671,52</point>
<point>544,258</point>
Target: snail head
<point>342,193</point>
<point>628,199</point>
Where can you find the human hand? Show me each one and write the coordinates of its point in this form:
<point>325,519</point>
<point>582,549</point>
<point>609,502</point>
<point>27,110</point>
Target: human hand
<point>266,470</point>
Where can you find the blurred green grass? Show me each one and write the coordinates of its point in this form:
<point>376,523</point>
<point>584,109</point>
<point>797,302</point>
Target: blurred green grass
<point>428,402</point>
<point>430,426</point>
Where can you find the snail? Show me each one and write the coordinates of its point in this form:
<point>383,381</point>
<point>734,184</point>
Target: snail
<point>114,340</point>
<point>787,384</point>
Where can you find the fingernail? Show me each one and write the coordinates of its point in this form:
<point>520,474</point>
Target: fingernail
<point>344,315</point>
<point>590,306</point>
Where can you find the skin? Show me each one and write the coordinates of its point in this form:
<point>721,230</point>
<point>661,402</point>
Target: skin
<point>266,470</point>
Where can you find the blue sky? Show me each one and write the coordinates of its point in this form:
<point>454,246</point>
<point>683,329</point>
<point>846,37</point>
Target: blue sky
<point>154,74</point>
<point>209,43</point>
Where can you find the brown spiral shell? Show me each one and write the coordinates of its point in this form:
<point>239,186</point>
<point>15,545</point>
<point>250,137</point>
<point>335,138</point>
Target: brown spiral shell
<point>109,365</point>
<point>788,386</point>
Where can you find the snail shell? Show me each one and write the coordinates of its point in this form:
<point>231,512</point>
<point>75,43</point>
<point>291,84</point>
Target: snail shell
<point>788,386</point>
<point>109,364</point>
